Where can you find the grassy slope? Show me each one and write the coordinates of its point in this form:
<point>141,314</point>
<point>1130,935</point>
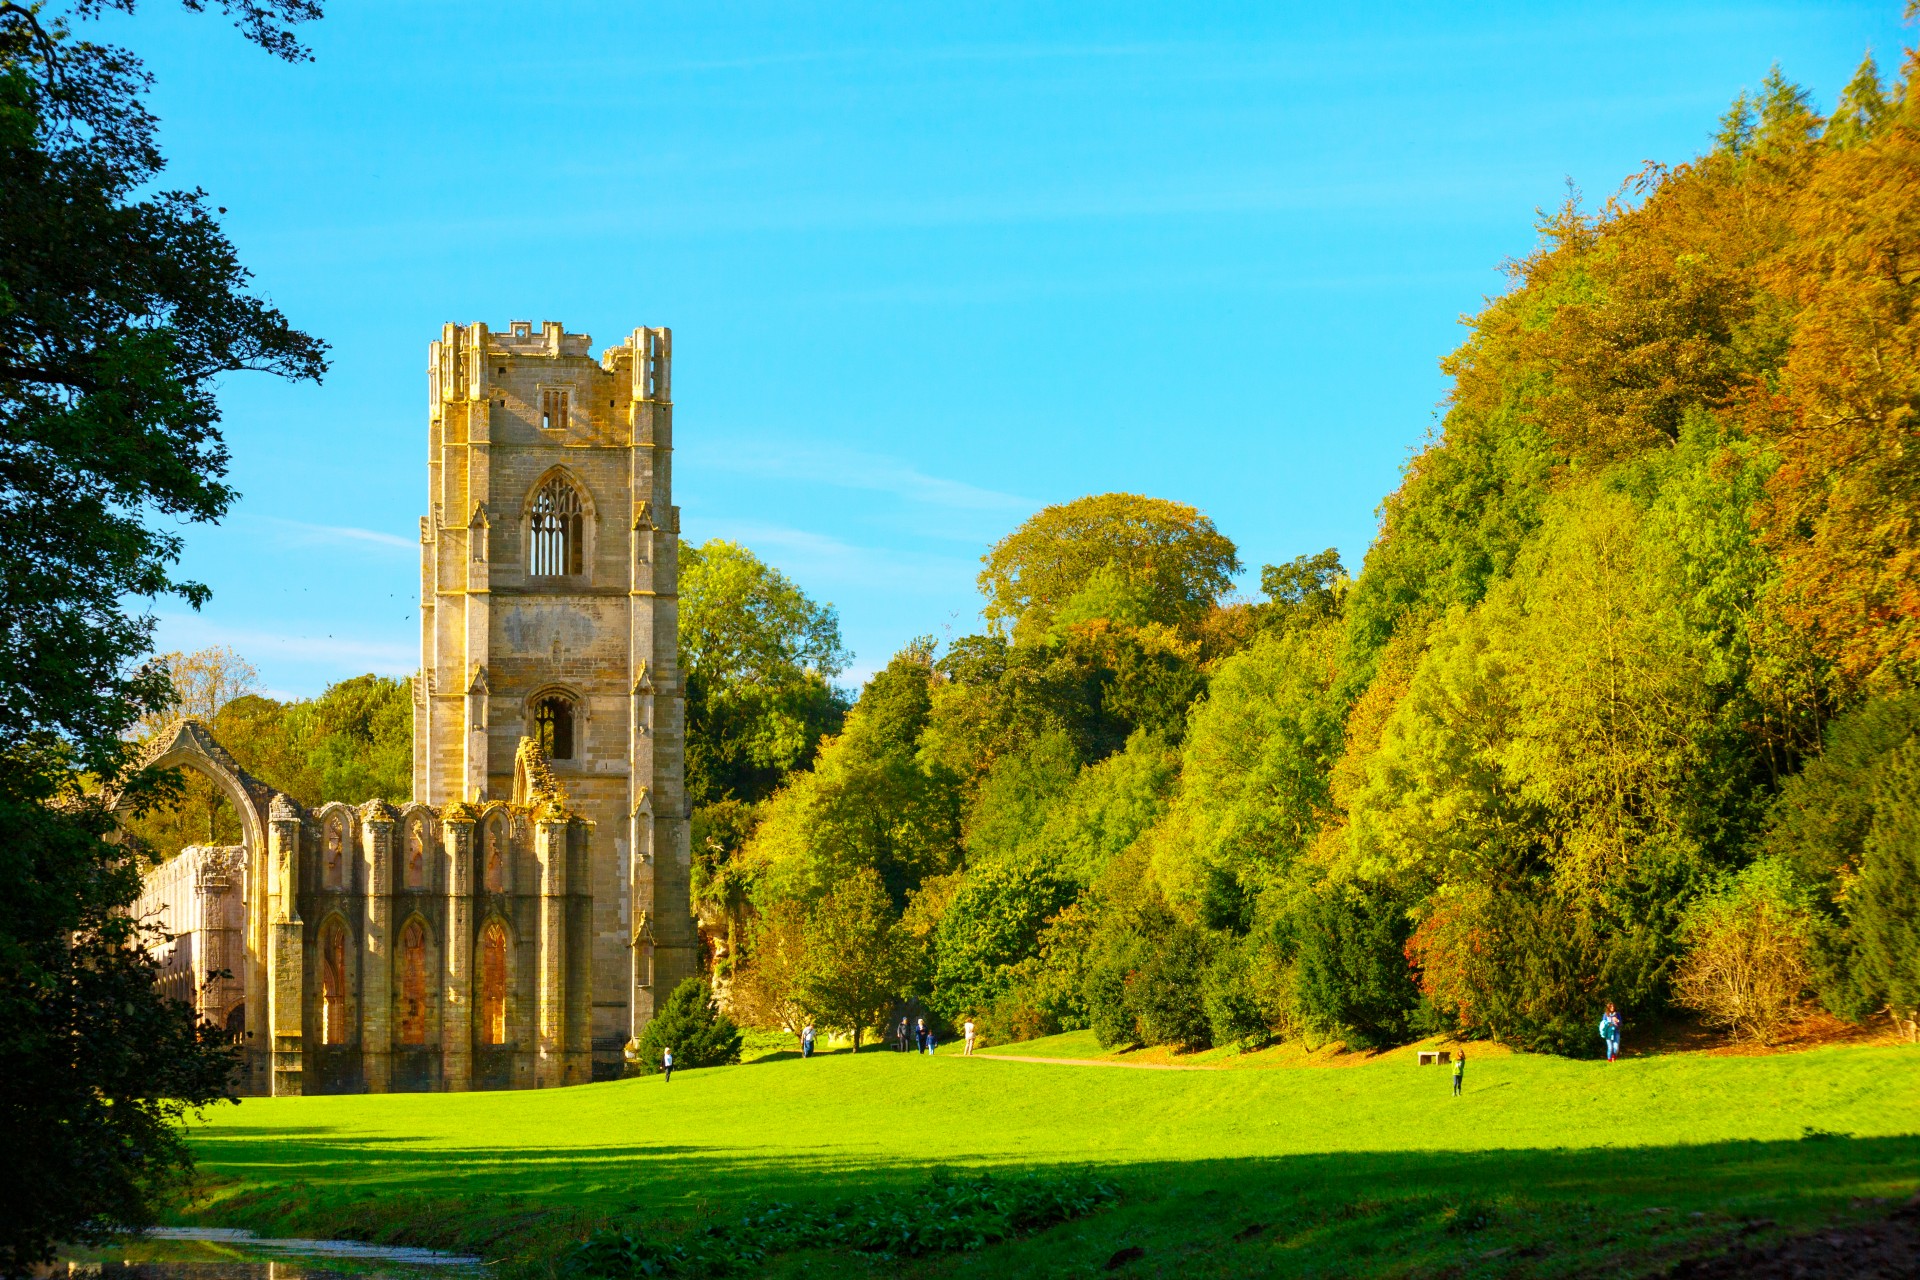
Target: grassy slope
<point>1362,1170</point>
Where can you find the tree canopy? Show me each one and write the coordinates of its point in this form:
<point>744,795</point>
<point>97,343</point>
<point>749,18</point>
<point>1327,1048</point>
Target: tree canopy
<point>1619,708</point>
<point>121,304</point>
<point>1163,559</point>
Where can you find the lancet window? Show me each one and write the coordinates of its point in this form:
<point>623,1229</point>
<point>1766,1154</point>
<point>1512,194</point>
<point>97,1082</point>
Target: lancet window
<point>559,547</point>
<point>493,983</point>
<point>333,983</point>
<point>553,725</point>
<point>334,868</point>
<point>553,408</point>
<point>413,983</point>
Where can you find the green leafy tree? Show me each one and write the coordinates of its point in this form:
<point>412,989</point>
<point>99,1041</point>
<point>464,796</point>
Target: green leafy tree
<point>1170,549</point>
<point>693,1027</point>
<point>993,923</point>
<point>1255,766</point>
<point>1353,977</point>
<point>759,659</point>
<point>860,961</point>
<point>1167,993</point>
<point>121,305</point>
<point>867,804</point>
<point>1305,591</point>
<point>1883,907</point>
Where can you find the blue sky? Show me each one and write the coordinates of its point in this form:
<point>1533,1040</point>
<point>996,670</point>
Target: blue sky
<point>927,271</point>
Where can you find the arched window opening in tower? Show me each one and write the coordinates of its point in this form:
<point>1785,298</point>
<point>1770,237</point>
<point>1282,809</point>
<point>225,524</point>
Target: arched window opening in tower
<point>558,545</point>
<point>553,725</point>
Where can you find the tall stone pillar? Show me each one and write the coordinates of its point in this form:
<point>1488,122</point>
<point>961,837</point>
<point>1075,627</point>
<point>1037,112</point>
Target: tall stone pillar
<point>457,1002</point>
<point>376,957</point>
<point>286,948</point>
<point>550,996</point>
<point>580,957</point>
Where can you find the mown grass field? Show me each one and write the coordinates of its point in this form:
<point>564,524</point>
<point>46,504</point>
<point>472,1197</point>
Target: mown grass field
<point>1544,1167</point>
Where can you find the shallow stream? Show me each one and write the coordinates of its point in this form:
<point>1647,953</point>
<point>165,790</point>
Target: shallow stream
<point>213,1253</point>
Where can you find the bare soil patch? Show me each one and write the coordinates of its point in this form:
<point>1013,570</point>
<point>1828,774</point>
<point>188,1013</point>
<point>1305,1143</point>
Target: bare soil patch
<point>1885,1250</point>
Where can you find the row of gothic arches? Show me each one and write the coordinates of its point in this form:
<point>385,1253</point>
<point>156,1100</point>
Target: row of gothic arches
<point>419,854</point>
<point>415,979</point>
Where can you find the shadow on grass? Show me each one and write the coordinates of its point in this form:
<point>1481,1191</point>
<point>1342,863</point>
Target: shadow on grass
<point>1555,1210</point>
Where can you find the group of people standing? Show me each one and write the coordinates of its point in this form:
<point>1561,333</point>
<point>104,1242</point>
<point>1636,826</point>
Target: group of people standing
<point>920,1037</point>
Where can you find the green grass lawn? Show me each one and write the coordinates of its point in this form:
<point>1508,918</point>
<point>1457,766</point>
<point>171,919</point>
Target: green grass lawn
<point>1545,1166</point>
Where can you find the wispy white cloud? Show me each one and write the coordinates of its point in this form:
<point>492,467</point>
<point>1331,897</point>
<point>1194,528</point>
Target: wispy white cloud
<point>820,562</point>
<point>302,533</point>
<point>186,632</point>
<point>848,469</point>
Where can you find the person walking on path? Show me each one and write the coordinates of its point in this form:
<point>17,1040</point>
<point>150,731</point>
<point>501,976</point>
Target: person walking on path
<point>929,1042</point>
<point>1610,1031</point>
<point>1459,1071</point>
<point>920,1035</point>
<point>806,1041</point>
<point>900,1037</point>
<point>969,1033</point>
<point>666,1060</point>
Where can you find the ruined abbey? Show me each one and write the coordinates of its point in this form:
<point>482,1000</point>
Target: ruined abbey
<point>513,926</point>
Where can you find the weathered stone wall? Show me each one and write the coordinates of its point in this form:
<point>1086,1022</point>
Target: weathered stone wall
<point>373,948</point>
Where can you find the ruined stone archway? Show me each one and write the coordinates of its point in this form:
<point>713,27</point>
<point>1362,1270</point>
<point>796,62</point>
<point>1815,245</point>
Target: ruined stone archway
<point>214,892</point>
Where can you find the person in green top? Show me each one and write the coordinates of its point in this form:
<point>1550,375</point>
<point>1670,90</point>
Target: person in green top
<point>1459,1071</point>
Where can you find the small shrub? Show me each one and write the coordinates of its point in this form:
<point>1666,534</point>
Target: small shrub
<point>1167,993</point>
<point>1745,966</point>
<point>1353,970</point>
<point>1235,1007</point>
<point>697,1032</point>
<point>1105,993</point>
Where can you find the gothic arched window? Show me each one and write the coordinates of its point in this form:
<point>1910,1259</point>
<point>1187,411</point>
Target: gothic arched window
<point>333,982</point>
<point>493,983</point>
<point>413,983</point>
<point>553,725</point>
<point>558,542</point>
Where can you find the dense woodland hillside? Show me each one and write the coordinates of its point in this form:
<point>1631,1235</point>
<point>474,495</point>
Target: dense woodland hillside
<point>1619,709</point>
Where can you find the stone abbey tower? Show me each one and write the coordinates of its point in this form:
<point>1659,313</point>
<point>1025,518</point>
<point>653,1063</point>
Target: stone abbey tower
<point>548,611</point>
<point>518,920</point>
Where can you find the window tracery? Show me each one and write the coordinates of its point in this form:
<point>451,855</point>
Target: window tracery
<point>553,725</point>
<point>558,530</point>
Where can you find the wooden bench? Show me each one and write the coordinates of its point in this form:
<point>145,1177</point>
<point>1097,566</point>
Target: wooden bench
<point>1428,1057</point>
